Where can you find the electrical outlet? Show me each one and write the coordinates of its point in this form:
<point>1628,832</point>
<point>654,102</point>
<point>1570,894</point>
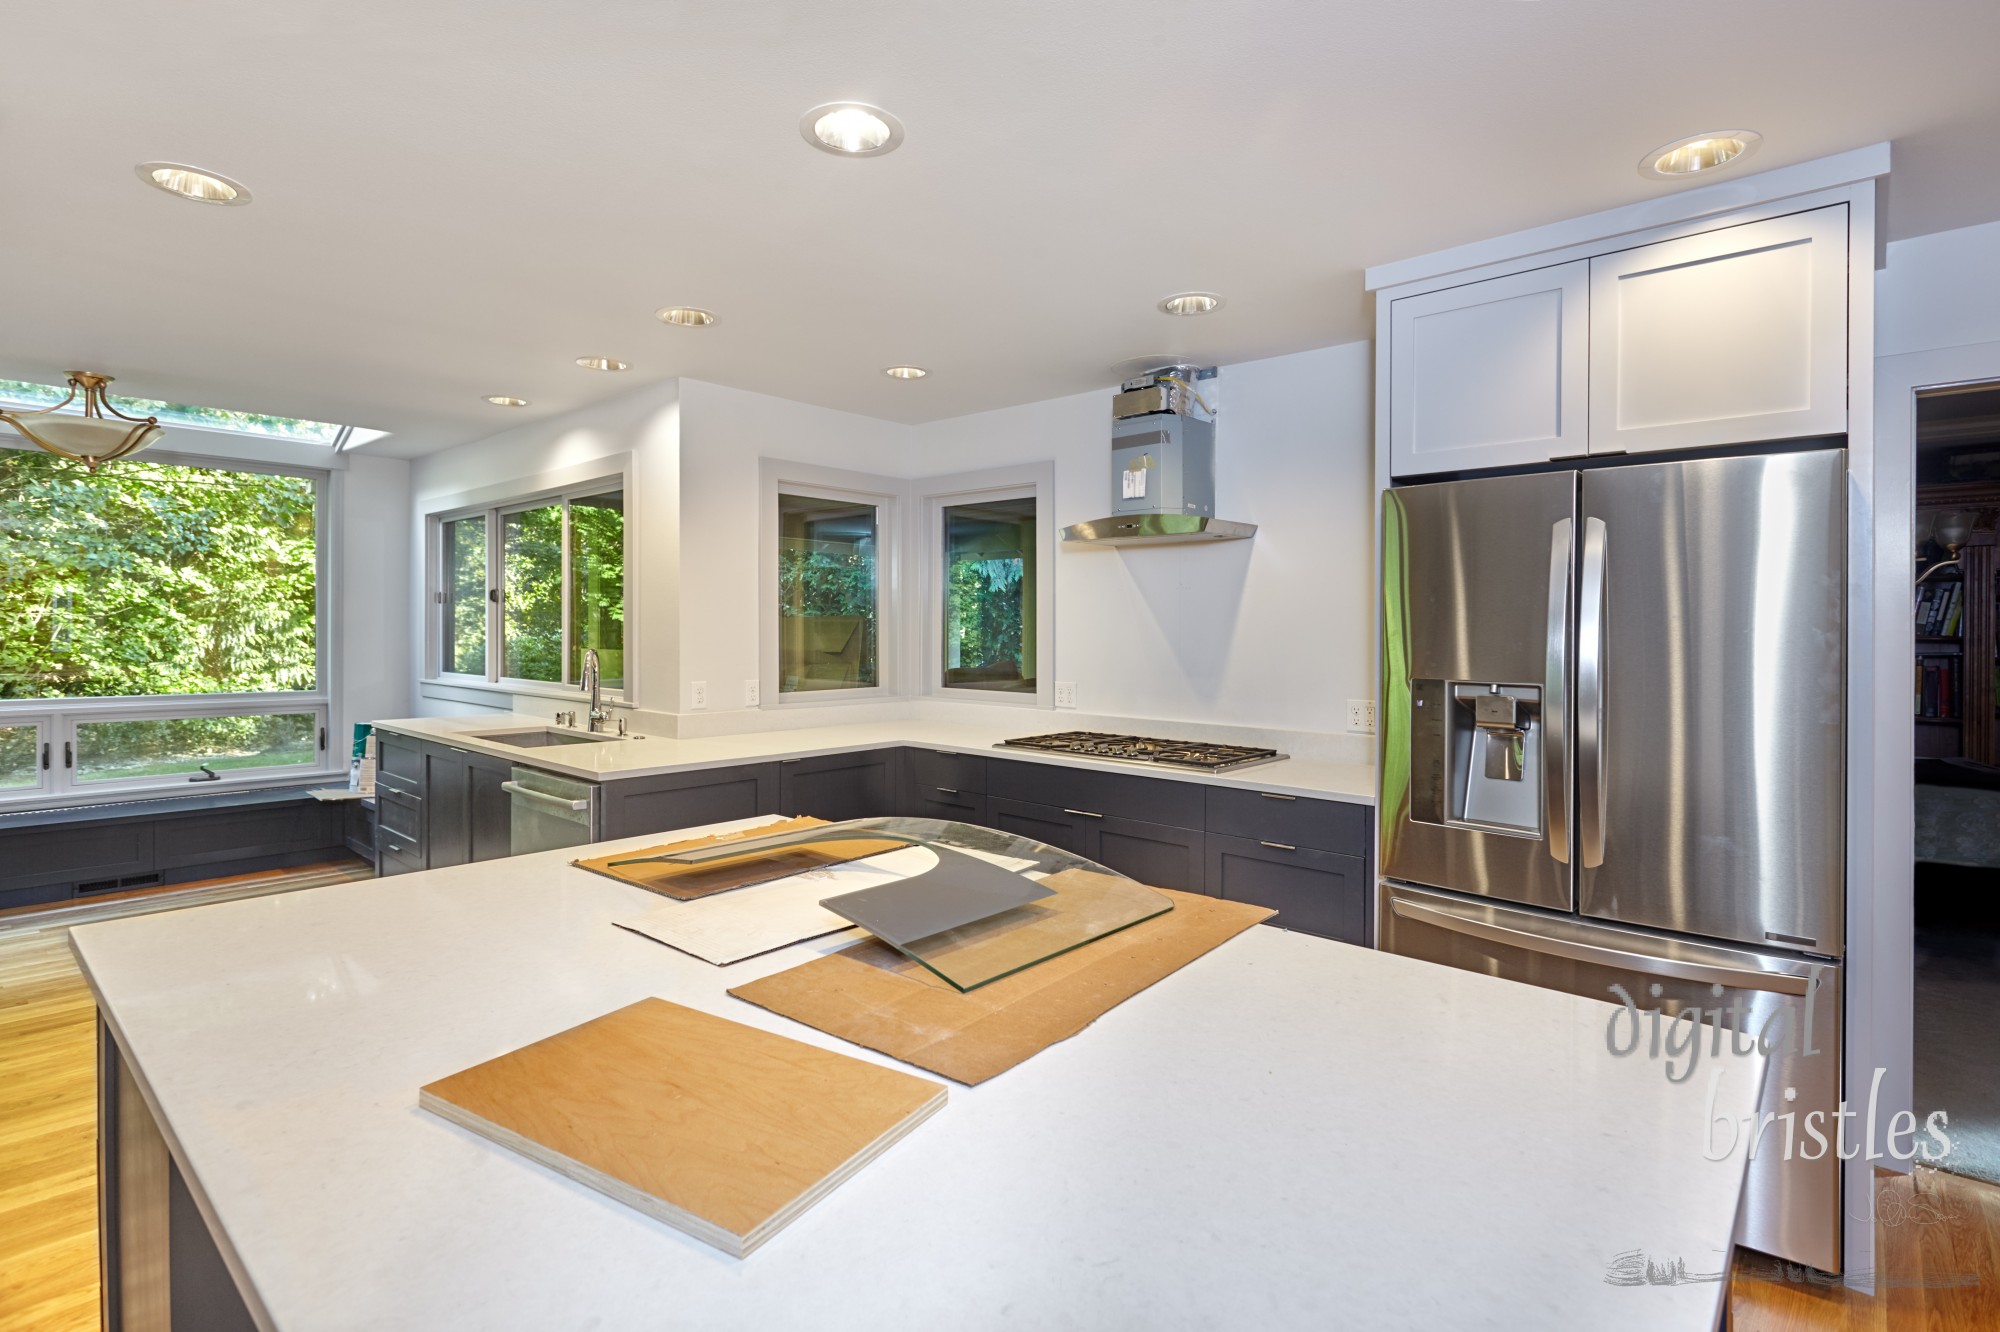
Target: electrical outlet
<point>752,692</point>
<point>1361,715</point>
<point>1065,693</point>
<point>698,694</point>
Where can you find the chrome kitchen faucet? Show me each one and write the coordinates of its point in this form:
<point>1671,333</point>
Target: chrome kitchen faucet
<point>594,720</point>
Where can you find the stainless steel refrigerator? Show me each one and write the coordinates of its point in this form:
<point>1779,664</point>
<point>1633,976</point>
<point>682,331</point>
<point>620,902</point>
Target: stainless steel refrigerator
<point>1611,752</point>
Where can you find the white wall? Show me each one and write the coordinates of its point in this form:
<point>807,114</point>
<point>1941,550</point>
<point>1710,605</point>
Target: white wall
<point>1269,633</point>
<point>376,665</point>
<point>639,433</point>
<point>1941,290</point>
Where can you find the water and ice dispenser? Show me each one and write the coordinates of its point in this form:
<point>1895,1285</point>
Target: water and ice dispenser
<point>1476,755</point>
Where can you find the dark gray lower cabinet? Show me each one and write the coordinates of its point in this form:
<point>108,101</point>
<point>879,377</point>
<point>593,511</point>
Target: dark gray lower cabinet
<point>452,813</point>
<point>643,805</point>
<point>838,786</point>
<point>1153,853</point>
<point>1319,892</point>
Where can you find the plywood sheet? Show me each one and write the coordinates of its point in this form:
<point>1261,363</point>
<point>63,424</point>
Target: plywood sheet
<point>722,1130</point>
<point>874,996</point>
<point>687,882</point>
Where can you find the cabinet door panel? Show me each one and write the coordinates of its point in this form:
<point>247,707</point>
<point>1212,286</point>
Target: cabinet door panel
<point>447,808</point>
<point>957,808</point>
<point>1152,853</point>
<point>1728,337</point>
<point>839,786</point>
<point>1317,892</point>
<point>1045,823</point>
<point>492,809</point>
<point>689,799</point>
<point>934,767</point>
<point>1324,825</point>
<point>1112,794</point>
<point>1490,374</point>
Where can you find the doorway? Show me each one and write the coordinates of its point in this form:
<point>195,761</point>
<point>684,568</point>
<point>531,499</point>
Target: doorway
<point>1956,633</point>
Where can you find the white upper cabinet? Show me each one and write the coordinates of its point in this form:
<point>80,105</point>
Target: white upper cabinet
<point>1490,374</point>
<point>1728,337</point>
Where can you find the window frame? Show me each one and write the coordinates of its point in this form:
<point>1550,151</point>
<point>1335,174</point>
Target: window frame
<point>44,765</point>
<point>58,717</point>
<point>935,494</point>
<point>495,512</point>
<point>887,495</point>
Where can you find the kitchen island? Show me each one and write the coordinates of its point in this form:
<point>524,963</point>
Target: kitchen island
<point>1288,1132</point>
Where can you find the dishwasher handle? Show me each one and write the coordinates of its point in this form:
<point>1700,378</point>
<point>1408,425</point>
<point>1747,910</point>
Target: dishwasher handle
<point>557,802</point>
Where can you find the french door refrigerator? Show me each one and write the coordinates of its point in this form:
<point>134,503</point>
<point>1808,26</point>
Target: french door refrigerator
<point>1612,750</point>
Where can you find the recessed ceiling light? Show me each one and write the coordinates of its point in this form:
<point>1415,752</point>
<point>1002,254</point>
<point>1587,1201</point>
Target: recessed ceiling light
<point>601,363</point>
<point>192,183</point>
<point>1698,153</point>
<point>1191,303</point>
<point>906,372</point>
<point>851,129</point>
<point>502,400</point>
<point>684,316</point>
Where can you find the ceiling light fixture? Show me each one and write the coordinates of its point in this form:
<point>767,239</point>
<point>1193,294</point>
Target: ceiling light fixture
<point>602,363</point>
<point>851,129</point>
<point>91,438</point>
<point>906,372</point>
<point>503,400</point>
<point>1191,303</point>
<point>684,316</point>
<point>192,183</point>
<point>1698,153</point>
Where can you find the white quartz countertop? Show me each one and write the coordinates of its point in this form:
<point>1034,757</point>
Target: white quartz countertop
<point>1287,1133</point>
<point>1353,782</point>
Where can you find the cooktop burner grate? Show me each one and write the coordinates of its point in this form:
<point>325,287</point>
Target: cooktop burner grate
<point>1200,754</point>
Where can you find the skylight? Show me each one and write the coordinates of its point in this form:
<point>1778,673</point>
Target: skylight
<point>205,418</point>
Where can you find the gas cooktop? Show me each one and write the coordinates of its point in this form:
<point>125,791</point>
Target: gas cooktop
<point>1141,749</point>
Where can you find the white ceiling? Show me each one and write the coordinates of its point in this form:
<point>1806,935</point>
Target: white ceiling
<point>454,198</point>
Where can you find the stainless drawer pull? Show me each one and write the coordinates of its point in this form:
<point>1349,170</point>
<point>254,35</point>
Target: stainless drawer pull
<point>1273,795</point>
<point>1083,813</point>
<point>948,790</point>
<point>1279,846</point>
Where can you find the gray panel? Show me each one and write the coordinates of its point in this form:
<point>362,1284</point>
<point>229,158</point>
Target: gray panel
<point>1317,892</point>
<point>1791,1208</point>
<point>1152,853</point>
<point>959,890</point>
<point>1325,825</point>
<point>1466,599</point>
<point>1722,676</point>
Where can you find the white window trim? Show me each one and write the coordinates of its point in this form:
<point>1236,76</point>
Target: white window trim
<point>43,748</point>
<point>936,493</point>
<point>58,716</point>
<point>494,503</point>
<point>888,495</point>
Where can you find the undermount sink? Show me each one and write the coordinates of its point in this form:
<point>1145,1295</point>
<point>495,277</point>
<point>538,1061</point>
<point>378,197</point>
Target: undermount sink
<point>544,738</point>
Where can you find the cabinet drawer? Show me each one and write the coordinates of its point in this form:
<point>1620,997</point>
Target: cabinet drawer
<point>1261,816</point>
<point>1317,892</point>
<point>933,768</point>
<point>1044,823</point>
<point>958,808</point>
<point>399,757</point>
<point>837,787</point>
<point>399,813</point>
<point>396,853</point>
<point>1113,795</point>
<point>689,799</point>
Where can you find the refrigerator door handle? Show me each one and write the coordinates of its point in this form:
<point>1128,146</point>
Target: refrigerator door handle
<point>1590,683</point>
<point>1555,696</point>
<point>1742,978</point>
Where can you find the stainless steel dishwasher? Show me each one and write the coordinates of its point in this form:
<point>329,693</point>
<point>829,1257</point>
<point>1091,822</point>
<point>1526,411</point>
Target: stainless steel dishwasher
<point>549,811</point>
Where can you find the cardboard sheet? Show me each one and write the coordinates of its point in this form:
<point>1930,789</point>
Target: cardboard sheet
<point>722,1130</point>
<point>874,996</point>
<point>687,882</point>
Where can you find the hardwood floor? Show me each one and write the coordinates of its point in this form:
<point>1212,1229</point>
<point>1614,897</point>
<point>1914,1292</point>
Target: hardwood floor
<point>48,1100</point>
<point>1938,1235</point>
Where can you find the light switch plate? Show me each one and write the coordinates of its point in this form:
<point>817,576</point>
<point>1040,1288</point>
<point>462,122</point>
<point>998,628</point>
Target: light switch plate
<point>1065,693</point>
<point>752,693</point>
<point>698,694</point>
<point>1361,715</point>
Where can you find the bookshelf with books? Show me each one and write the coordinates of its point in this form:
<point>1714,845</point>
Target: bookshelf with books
<point>1955,607</point>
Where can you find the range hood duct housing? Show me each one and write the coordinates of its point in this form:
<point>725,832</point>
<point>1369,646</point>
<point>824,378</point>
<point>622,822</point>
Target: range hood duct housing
<point>1162,464</point>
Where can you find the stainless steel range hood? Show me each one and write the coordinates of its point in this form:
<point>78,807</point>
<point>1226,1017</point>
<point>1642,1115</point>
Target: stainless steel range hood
<point>1156,529</point>
<point>1162,465</point>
